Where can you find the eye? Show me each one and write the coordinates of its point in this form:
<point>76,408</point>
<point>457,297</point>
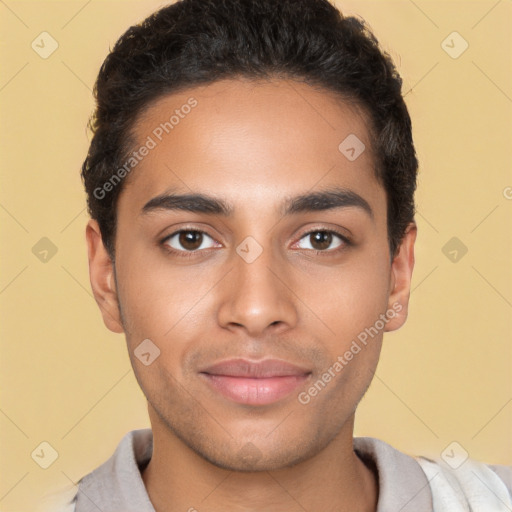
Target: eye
<point>321,240</point>
<point>188,240</point>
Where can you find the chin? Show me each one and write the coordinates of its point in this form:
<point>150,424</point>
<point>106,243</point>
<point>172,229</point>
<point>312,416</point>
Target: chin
<point>250,458</point>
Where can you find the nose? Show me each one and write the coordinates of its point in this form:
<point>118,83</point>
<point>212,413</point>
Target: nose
<point>256,296</point>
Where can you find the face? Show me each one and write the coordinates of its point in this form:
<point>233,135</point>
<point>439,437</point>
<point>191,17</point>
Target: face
<point>265,299</point>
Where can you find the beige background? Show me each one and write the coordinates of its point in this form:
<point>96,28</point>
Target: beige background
<point>446,376</point>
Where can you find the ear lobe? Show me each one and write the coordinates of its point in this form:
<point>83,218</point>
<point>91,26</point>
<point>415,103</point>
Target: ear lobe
<point>400,282</point>
<point>101,274</point>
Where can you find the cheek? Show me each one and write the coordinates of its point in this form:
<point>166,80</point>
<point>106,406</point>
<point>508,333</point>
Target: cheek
<point>167,303</point>
<point>348,298</point>
<point>162,306</point>
<point>350,305</point>
<point>153,291</point>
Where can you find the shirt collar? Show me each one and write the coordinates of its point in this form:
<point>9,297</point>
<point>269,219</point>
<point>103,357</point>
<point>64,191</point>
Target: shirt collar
<point>117,485</point>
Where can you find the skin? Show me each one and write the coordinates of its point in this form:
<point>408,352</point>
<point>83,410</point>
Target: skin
<point>253,144</point>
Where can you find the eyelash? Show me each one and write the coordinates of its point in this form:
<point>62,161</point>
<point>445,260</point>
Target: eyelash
<point>190,254</point>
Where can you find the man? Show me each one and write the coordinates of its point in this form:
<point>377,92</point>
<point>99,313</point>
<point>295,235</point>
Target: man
<point>251,189</point>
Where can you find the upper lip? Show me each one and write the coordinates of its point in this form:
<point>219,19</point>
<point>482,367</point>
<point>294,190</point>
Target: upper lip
<point>255,369</point>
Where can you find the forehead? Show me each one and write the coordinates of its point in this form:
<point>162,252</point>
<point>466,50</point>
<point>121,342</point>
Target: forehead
<point>252,141</point>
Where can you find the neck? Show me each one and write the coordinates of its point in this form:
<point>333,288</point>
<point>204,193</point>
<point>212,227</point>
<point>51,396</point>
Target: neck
<point>334,480</point>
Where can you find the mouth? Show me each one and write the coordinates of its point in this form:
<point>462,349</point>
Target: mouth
<point>255,382</point>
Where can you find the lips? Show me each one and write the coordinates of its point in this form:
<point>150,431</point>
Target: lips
<point>254,382</point>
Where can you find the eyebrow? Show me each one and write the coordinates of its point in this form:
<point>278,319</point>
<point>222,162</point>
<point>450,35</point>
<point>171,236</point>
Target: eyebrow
<point>321,200</point>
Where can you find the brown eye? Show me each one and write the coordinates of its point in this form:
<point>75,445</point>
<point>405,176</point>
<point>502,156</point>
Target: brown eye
<point>188,240</point>
<point>322,240</point>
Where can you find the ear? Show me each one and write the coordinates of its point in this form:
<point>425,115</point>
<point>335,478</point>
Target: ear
<point>101,274</point>
<point>400,282</point>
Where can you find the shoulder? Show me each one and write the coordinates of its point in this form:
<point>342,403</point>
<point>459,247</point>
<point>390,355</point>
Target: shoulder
<point>402,483</point>
<point>424,484</point>
<point>117,483</point>
<point>116,480</point>
<point>505,473</point>
<point>479,485</point>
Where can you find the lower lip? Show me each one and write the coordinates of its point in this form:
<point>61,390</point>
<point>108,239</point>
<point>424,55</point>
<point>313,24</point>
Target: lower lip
<point>249,391</point>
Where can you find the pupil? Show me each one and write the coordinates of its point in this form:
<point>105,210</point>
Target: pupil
<point>322,238</point>
<point>190,239</point>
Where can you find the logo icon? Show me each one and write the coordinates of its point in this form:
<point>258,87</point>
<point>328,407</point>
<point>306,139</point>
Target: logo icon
<point>249,250</point>
<point>44,45</point>
<point>454,45</point>
<point>44,250</point>
<point>44,455</point>
<point>454,250</point>
<point>146,352</point>
<point>454,455</point>
<point>351,147</point>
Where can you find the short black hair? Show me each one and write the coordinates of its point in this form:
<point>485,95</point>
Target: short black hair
<point>194,42</point>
